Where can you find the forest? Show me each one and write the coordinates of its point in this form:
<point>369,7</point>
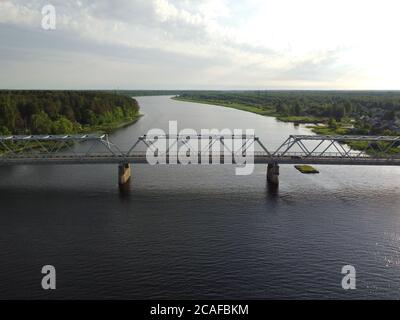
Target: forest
<point>370,112</point>
<point>63,112</point>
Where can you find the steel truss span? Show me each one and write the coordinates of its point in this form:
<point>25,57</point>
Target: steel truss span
<point>297,149</point>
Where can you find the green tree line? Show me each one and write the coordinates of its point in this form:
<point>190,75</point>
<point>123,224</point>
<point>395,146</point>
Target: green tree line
<point>329,104</point>
<point>62,112</point>
<point>374,112</point>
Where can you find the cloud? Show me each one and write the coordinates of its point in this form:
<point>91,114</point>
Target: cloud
<point>215,43</point>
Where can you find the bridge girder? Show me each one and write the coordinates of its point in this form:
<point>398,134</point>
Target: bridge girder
<point>302,147</point>
<point>320,145</point>
<point>19,145</point>
<point>206,143</point>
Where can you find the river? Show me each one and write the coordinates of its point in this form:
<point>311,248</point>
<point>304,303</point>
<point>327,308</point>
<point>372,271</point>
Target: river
<point>192,232</point>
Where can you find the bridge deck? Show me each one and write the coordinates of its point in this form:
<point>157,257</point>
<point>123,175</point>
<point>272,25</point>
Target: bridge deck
<point>140,158</point>
<point>314,149</point>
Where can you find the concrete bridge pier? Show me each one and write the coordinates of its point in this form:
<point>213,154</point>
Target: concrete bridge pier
<point>273,173</point>
<point>124,173</point>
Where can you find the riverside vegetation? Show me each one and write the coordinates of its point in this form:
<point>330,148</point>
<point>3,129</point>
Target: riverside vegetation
<point>326,112</point>
<point>64,112</point>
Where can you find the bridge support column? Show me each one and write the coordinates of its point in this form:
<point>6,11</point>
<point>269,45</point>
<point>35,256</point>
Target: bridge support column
<point>124,173</point>
<point>273,173</point>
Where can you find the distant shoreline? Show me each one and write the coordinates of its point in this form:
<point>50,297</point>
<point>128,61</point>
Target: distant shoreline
<point>111,127</point>
<point>316,125</point>
<point>262,112</point>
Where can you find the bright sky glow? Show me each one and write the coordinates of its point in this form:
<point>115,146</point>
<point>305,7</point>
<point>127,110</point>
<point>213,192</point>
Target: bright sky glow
<point>201,44</point>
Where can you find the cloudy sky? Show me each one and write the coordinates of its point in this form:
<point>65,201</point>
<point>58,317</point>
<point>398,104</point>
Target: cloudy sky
<point>201,44</point>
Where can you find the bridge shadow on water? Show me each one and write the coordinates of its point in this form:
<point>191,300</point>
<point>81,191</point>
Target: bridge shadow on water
<point>125,191</point>
<point>272,191</point>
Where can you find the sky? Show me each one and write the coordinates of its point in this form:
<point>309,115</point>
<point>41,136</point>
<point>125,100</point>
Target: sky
<point>201,44</point>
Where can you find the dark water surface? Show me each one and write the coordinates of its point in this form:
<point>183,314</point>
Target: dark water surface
<point>199,231</point>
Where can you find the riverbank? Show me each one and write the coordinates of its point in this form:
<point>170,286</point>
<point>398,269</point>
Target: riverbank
<point>320,124</point>
<point>53,112</point>
<point>111,127</point>
<point>243,107</point>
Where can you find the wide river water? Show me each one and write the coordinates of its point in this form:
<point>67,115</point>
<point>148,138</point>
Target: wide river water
<point>191,232</point>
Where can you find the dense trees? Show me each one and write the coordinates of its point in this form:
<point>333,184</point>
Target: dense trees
<point>59,112</point>
<point>375,111</point>
<point>330,104</point>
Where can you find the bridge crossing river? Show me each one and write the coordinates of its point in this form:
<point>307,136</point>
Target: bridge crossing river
<point>297,149</point>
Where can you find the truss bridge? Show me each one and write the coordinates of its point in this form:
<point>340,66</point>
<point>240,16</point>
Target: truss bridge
<point>197,149</point>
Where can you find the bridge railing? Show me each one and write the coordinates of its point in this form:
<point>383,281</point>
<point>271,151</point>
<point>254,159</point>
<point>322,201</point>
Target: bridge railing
<point>345,146</point>
<point>55,145</point>
<point>143,154</point>
<point>302,147</point>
